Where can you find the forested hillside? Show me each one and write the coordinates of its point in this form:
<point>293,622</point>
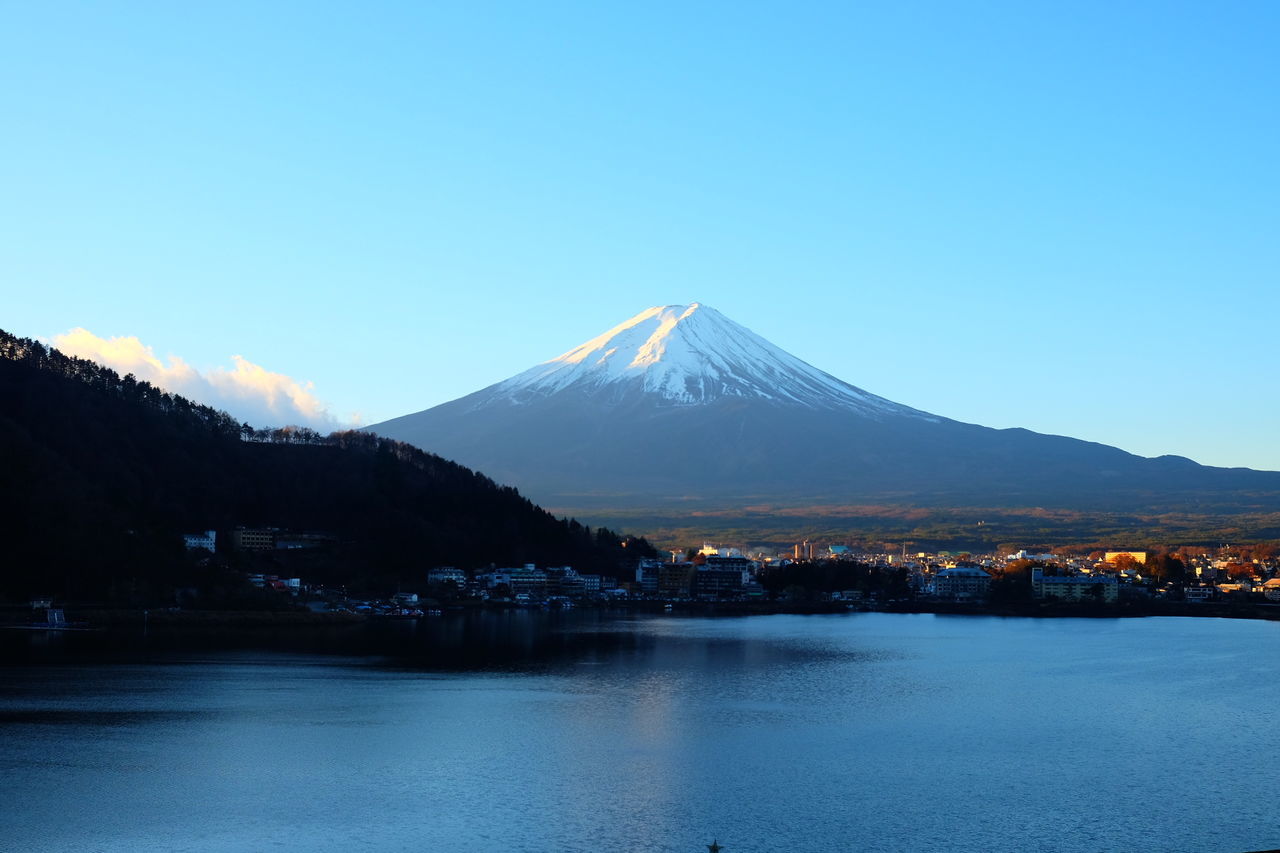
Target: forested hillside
<point>102,475</point>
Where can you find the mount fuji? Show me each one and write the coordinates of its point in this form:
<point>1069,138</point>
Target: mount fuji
<point>682,407</point>
<point>690,356</point>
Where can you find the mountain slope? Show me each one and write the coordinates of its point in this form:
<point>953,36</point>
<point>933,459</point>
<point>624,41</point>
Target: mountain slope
<point>681,406</point>
<point>101,475</point>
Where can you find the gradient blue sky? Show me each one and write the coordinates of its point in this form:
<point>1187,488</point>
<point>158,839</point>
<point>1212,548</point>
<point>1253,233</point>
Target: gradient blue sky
<point>1059,217</point>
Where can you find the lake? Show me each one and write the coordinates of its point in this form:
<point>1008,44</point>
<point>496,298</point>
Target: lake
<point>586,731</point>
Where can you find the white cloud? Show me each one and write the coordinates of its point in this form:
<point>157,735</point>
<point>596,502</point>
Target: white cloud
<point>248,391</point>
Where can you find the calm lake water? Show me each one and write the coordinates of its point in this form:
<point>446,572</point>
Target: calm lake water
<point>593,732</point>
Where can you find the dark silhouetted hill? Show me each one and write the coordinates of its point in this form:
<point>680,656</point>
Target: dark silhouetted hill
<point>102,475</point>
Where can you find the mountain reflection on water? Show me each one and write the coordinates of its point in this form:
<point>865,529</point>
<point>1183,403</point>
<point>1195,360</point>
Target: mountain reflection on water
<point>585,731</point>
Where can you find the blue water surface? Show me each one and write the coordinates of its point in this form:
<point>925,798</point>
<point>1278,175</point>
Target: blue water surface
<point>592,732</point>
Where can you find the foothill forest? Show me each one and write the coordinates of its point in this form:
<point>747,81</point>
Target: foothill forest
<point>103,474</point>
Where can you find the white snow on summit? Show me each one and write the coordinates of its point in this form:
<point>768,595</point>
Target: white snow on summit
<point>691,354</point>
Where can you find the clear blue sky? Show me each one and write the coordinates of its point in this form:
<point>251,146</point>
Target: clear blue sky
<point>1059,216</point>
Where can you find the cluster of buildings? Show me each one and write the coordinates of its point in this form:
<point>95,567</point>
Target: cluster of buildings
<point>259,539</point>
<point>706,576</point>
<point>717,574</point>
<point>1101,577</point>
<point>528,582</point>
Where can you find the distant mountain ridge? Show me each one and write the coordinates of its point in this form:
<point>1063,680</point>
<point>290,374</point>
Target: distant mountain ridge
<point>680,406</point>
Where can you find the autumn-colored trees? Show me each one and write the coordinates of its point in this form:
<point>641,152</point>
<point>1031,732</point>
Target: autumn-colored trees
<point>1125,563</point>
<point>1165,568</point>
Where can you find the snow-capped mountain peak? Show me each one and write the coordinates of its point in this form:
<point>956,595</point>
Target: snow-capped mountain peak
<point>680,409</point>
<point>691,355</point>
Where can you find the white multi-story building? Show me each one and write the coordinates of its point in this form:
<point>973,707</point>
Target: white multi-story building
<point>962,583</point>
<point>529,580</point>
<point>1074,587</point>
<point>647,571</point>
<point>207,540</point>
<point>1271,589</point>
<point>444,574</point>
<point>1198,594</point>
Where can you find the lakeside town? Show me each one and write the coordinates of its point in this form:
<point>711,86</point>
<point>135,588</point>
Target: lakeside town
<point>265,563</point>
<point>810,574</point>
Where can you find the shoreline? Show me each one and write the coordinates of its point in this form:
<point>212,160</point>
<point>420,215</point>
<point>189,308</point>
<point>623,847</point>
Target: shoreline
<point>111,620</point>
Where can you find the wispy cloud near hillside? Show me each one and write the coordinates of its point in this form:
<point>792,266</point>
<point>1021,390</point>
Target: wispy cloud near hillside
<point>248,391</point>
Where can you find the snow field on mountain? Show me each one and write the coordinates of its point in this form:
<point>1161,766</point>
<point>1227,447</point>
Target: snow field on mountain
<point>690,355</point>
